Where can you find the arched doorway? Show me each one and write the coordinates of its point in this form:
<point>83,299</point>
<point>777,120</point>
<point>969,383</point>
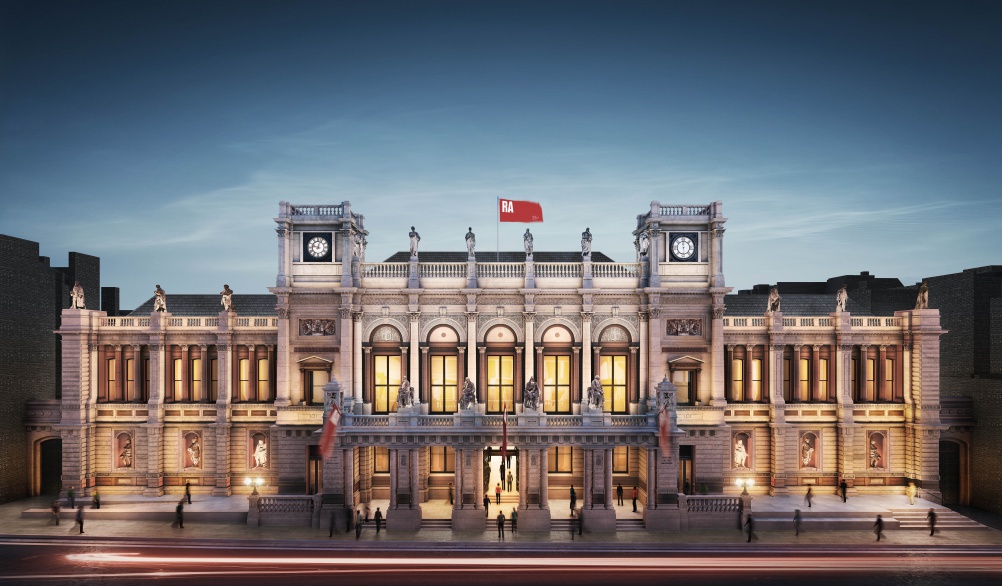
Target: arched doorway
<point>50,466</point>
<point>950,461</point>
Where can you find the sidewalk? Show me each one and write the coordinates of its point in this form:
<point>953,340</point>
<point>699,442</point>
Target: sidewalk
<point>14,525</point>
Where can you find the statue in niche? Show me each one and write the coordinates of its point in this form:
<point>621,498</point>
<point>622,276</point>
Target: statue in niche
<point>358,244</point>
<point>469,397</point>
<point>596,395</point>
<point>415,238</point>
<point>807,453</point>
<point>405,395</point>
<point>774,300</point>
<point>643,243</point>
<point>194,452</point>
<point>77,296</point>
<point>471,242</point>
<point>840,299</point>
<point>586,243</point>
<point>125,456</point>
<point>740,454</point>
<point>530,396</point>
<point>922,302</point>
<point>227,298</point>
<point>159,299</point>
<point>261,454</point>
<point>527,242</point>
<point>876,459</point>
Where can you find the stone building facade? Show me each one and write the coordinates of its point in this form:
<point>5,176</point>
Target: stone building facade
<point>772,400</point>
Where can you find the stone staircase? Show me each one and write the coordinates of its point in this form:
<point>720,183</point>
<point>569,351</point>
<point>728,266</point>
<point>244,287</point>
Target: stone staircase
<point>823,521</point>
<point>915,518</point>
<point>630,525</point>
<point>436,524</point>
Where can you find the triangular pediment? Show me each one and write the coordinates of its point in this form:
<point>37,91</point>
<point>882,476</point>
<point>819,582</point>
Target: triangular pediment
<point>685,362</point>
<point>315,362</point>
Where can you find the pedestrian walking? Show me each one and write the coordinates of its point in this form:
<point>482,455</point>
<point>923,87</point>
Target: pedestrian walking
<point>501,525</point>
<point>80,517</point>
<point>497,493</point>
<point>845,489</point>
<point>333,518</point>
<point>619,494</point>
<point>796,522</point>
<point>367,512</point>
<point>634,499</point>
<point>750,527</point>
<point>911,491</point>
<point>573,526</point>
<point>187,491</point>
<point>451,498</point>
<point>878,527</point>
<point>55,511</point>
<point>379,520</point>
<point>358,524</point>
<point>349,516</point>
<point>809,497</point>
<point>514,520</point>
<point>931,517</point>
<point>511,480</point>
<point>487,505</point>
<point>574,501</point>
<point>95,500</point>
<point>179,514</point>
<point>71,496</point>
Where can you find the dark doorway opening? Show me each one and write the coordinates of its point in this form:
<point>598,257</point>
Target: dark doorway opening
<point>685,458</point>
<point>949,472</point>
<point>51,464</point>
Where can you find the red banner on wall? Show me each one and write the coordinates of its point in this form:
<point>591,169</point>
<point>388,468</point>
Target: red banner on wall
<point>513,210</point>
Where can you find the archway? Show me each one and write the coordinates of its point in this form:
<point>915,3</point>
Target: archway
<point>950,469</point>
<point>50,466</point>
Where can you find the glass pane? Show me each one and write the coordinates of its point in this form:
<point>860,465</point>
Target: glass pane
<point>493,370</point>
<point>451,370</point>
<point>319,379</point>
<point>437,370</point>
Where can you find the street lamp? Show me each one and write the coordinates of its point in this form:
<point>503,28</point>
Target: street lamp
<point>253,483</point>
<point>744,483</point>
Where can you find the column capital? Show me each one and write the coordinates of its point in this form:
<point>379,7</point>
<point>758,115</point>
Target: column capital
<point>586,316</point>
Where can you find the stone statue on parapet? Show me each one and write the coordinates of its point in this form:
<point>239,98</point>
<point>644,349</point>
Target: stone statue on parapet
<point>596,394</point>
<point>586,243</point>
<point>530,396</point>
<point>840,299</point>
<point>77,296</point>
<point>159,299</point>
<point>227,298</point>
<point>774,300</point>
<point>469,397</point>
<point>922,302</point>
<point>405,396</point>
<point>415,238</point>
<point>643,242</point>
<point>527,242</point>
<point>471,242</point>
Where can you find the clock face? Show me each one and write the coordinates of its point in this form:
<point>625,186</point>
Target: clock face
<point>683,248</point>
<point>318,247</point>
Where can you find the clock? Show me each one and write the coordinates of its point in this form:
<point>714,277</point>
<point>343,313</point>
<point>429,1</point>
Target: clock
<point>317,247</point>
<point>683,247</point>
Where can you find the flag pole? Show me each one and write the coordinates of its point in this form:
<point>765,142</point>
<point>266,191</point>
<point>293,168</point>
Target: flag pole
<point>497,233</point>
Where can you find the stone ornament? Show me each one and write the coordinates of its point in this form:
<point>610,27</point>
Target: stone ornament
<point>123,450</point>
<point>317,327</point>
<point>414,239</point>
<point>527,242</point>
<point>774,300</point>
<point>876,450</point>
<point>922,302</point>
<point>530,396</point>
<point>742,451</point>
<point>586,243</point>
<point>809,456</point>
<point>77,296</point>
<point>840,299</point>
<point>643,243</point>
<point>469,398</point>
<point>159,299</point>
<point>684,327</point>
<point>405,395</point>
<point>471,242</point>
<point>596,395</point>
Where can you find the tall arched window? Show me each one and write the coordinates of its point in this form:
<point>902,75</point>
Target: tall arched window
<point>559,367</point>
<point>616,368</point>
<point>500,368</point>
<point>385,368</point>
<point>443,370</point>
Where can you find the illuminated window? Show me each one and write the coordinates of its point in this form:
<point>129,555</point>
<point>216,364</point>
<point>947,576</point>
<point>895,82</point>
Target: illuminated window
<point>822,380</point>
<point>613,377</point>
<point>557,384</point>
<point>500,383</point>
<point>178,365</point>
<point>244,388</point>
<point>263,380</point>
<point>737,379</point>
<point>130,379</point>
<point>113,379</point>
<point>381,462</point>
<point>804,380</point>
<point>315,381</point>
<point>213,379</point>
<point>196,379</point>
<point>386,383</point>
<point>755,392</point>
<point>444,381</point>
<point>887,388</point>
<point>443,459</point>
<point>559,459</point>
<point>869,393</point>
<point>787,383</point>
<point>621,459</point>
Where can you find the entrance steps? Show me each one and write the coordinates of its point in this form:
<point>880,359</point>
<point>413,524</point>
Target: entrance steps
<point>823,520</point>
<point>630,525</point>
<point>915,518</point>
<point>436,524</point>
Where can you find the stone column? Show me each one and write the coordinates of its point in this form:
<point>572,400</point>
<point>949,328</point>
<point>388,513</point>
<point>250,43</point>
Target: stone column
<point>222,426</point>
<point>415,373</point>
<point>718,396</point>
<point>645,352</point>
<point>652,478</point>
<point>925,333</point>
<point>587,478</point>
<point>283,378</point>
<point>586,367</point>
<point>795,375</point>
<point>530,345</point>
<point>471,347</point>
<point>746,391</point>
<point>356,358</point>
<point>608,478</point>
<point>284,255</point>
<point>544,474</point>
<point>394,478</point>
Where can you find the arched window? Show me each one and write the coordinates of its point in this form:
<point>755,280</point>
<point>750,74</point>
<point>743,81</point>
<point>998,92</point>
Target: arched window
<point>385,368</point>
<point>560,369</point>
<point>443,370</point>
<point>500,368</point>
<point>616,368</point>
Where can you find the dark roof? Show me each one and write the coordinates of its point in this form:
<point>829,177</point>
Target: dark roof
<point>502,256</point>
<point>208,305</point>
<point>746,305</point>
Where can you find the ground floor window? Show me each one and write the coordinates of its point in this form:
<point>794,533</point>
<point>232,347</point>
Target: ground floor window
<point>443,459</point>
<point>621,459</point>
<point>559,459</point>
<point>381,462</point>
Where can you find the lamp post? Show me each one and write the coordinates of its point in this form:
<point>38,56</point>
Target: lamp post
<point>744,483</point>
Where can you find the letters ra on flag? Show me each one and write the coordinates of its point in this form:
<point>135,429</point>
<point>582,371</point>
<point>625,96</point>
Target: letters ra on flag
<point>513,210</point>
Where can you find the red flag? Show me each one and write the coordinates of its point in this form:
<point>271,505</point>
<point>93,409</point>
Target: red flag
<point>663,424</point>
<point>330,427</point>
<point>512,210</point>
<point>504,434</point>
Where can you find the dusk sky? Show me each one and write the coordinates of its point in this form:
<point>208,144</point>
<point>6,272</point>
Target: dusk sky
<point>840,136</point>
